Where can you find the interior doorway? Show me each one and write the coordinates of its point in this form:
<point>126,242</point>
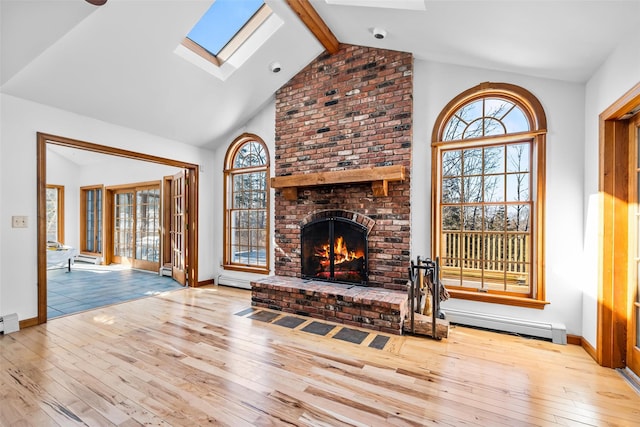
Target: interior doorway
<point>191,171</point>
<point>618,337</point>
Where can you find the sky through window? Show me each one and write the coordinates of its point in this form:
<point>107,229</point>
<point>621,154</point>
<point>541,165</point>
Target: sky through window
<point>222,22</point>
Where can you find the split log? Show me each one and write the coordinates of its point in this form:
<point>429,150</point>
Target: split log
<point>422,326</point>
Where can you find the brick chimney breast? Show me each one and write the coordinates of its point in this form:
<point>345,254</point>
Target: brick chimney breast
<point>350,110</point>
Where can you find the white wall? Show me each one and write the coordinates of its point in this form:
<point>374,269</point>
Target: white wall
<point>21,120</point>
<point>435,84</point>
<point>619,73</point>
<point>262,124</point>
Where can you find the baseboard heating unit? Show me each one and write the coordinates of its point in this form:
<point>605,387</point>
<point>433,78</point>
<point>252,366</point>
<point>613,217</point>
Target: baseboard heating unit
<point>90,259</point>
<point>556,332</point>
<point>233,281</point>
<point>9,323</point>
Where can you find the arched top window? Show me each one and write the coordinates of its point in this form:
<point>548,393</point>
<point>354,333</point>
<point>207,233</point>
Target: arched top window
<point>246,219</point>
<point>247,151</point>
<point>490,109</point>
<point>488,156</point>
<point>486,117</point>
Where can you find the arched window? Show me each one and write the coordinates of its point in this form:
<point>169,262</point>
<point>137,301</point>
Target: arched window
<point>488,158</point>
<point>246,219</point>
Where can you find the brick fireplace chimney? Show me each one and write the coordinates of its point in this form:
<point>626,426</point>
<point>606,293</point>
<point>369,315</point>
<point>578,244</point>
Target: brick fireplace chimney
<point>347,111</point>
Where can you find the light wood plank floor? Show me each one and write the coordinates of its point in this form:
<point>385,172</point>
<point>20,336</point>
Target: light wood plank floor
<point>187,358</point>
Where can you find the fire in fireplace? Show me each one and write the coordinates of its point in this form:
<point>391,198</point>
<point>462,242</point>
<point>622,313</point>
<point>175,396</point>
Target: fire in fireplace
<point>334,249</point>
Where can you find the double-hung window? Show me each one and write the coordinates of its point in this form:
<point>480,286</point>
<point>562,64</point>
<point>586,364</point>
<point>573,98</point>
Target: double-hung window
<point>246,225</point>
<point>488,158</point>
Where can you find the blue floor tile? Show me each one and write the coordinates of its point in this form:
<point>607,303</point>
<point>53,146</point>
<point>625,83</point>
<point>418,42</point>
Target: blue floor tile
<point>87,287</point>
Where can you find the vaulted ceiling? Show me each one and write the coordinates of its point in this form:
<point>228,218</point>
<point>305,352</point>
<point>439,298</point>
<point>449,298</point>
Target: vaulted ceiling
<point>118,62</point>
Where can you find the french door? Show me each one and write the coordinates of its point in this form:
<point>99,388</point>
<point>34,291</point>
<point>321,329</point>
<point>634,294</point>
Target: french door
<point>136,227</point>
<point>91,207</point>
<point>633,309</point>
<point>178,227</point>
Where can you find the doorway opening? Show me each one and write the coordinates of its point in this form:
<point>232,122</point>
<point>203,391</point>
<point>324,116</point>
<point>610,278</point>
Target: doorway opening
<point>189,213</point>
<point>618,325</point>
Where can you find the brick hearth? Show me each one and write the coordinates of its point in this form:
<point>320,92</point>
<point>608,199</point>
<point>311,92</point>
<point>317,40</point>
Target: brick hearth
<point>366,307</point>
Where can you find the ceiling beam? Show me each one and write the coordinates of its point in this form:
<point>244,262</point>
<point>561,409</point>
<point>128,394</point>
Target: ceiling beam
<point>316,25</point>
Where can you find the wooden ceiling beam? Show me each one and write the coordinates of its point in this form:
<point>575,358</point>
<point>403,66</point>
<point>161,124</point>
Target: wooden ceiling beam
<point>316,25</point>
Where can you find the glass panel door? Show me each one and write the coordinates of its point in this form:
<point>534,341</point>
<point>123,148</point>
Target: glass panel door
<point>136,227</point>
<point>148,225</point>
<point>123,227</point>
<point>92,222</point>
<point>178,227</point>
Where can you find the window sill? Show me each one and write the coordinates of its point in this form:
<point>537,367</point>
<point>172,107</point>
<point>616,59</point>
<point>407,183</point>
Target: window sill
<point>497,299</point>
<point>246,268</point>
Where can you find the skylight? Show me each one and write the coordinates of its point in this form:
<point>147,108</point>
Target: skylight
<point>226,25</point>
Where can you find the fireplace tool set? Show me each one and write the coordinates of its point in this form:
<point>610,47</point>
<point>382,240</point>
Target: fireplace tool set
<point>425,294</point>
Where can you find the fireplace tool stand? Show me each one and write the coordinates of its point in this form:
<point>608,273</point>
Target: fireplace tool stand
<point>425,294</point>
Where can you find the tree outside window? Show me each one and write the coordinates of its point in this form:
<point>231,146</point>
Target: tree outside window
<point>247,205</point>
<point>55,213</point>
<point>490,167</point>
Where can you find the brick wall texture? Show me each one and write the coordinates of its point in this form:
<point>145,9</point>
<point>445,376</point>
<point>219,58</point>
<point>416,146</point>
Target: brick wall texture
<point>346,111</point>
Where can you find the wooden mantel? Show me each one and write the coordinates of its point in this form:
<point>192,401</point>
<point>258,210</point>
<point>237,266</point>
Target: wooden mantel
<point>378,176</point>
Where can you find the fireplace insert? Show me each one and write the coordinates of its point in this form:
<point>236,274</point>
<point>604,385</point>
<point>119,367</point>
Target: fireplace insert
<point>334,249</point>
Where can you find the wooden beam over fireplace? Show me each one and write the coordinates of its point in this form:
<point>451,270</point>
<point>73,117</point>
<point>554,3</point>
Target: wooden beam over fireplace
<point>379,177</point>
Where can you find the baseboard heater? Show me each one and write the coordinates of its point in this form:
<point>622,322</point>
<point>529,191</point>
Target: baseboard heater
<point>556,332</point>
<point>91,259</point>
<point>9,323</point>
<point>233,281</point>
<point>166,270</point>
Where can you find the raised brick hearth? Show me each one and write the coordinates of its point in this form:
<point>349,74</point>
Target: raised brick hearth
<point>371,308</point>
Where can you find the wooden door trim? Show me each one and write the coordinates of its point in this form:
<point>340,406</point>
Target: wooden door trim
<point>42,140</point>
<point>614,227</point>
<point>632,356</point>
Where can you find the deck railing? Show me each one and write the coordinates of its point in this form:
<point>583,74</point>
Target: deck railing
<point>490,252</point>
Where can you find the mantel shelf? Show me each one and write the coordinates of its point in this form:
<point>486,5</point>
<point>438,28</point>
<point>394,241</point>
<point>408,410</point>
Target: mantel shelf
<point>379,177</point>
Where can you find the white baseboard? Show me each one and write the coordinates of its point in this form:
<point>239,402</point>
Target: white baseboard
<point>556,332</point>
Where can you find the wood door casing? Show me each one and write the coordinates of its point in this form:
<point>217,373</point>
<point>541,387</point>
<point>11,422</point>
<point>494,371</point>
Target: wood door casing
<point>614,255</point>
<point>42,141</point>
<point>633,310</point>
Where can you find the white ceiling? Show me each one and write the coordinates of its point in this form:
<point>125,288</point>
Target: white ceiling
<point>118,63</point>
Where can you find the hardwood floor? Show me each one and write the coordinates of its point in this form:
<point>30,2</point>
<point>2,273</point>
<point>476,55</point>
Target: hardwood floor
<point>195,357</point>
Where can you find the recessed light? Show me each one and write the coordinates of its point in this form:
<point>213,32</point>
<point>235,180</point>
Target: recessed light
<point>379,33</point>
<point>275,67</point>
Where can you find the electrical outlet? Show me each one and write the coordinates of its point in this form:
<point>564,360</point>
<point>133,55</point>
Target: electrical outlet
<point>19,221</point>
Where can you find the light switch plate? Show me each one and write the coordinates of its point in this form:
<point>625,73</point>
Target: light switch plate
<point>19,221</point>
